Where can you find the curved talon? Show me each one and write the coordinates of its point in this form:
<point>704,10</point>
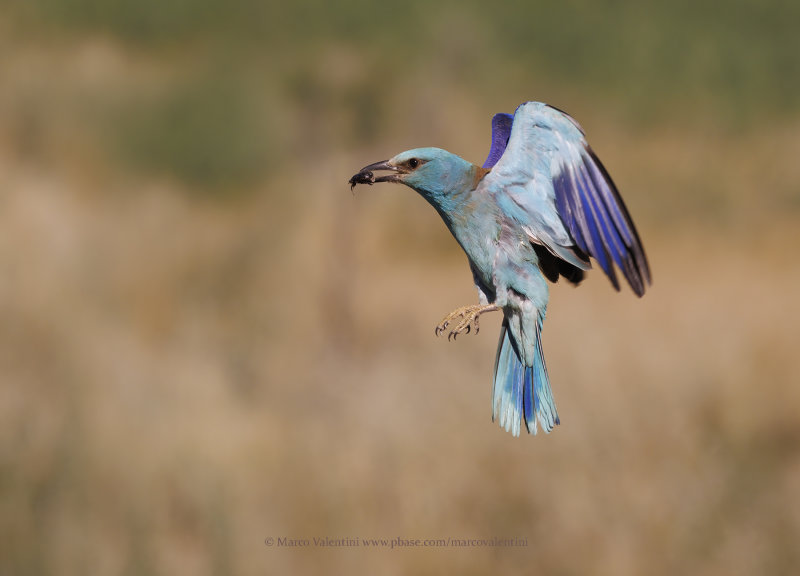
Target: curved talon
<point>467,317</point>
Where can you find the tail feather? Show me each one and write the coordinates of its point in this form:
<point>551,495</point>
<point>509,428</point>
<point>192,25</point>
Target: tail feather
<point>522,392</point>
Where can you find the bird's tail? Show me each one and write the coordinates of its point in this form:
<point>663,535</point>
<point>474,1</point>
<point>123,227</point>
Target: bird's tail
<point>522,391</point>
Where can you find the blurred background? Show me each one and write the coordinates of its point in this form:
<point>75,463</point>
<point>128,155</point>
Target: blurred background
<point>207,340</point>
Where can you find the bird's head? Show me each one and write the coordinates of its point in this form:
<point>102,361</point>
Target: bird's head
<point>436,174</point>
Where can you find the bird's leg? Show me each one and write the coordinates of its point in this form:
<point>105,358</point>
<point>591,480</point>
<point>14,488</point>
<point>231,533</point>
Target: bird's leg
<point>467,318</point>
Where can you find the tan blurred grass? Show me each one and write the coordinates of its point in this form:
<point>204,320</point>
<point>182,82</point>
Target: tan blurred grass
<point>183,380</point>
<point>183,377</point>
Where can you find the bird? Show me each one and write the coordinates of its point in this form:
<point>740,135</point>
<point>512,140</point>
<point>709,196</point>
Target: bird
<point>542,206</point>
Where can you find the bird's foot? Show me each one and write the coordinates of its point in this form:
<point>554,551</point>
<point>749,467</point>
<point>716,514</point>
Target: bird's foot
<point>465,320</point>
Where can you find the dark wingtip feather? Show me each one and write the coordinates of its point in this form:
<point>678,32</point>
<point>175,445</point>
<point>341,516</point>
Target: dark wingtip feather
<point>553,267</point>
<point>573,274</point>
<point>548,263</point>
<point>636,267</point>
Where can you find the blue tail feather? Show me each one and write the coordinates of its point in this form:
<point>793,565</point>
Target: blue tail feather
<point>522,392</point>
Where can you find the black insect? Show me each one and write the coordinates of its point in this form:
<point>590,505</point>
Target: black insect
<point>363,177</point>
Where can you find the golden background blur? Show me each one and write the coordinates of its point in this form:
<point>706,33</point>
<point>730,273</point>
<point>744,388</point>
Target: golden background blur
<point>206,340</point>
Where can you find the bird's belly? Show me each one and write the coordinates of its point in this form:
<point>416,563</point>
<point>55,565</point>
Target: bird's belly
<point>502,258</point>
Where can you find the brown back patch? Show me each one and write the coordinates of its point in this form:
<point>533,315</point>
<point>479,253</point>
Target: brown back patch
<point>478,175</point>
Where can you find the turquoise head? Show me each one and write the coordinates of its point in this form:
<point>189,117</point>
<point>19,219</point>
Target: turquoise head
<point>437,175</point>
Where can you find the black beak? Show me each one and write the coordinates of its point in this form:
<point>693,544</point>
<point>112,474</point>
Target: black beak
<point>384,165</point>
<point>366,176</point>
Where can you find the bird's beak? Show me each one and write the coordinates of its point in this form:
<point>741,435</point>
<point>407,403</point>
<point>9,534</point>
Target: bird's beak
<point>384,165</point>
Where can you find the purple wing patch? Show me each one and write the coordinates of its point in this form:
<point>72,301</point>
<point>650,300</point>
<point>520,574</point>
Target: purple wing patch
<point>501,130</point>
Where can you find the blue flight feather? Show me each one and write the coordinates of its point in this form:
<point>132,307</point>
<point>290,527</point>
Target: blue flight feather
<point>565,204</point>
<point>615,242</point>
<point>596,247</point>
<point>610,238</point>
<point>501,129</point>
<point>610,202</point>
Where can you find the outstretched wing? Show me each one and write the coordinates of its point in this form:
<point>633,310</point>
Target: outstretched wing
<point>550,181</point>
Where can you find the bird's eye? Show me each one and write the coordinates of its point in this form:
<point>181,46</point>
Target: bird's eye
<point>413,163</point>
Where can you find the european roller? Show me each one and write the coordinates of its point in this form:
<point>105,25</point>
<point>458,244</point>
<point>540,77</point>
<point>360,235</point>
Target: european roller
<point>539,208</point>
